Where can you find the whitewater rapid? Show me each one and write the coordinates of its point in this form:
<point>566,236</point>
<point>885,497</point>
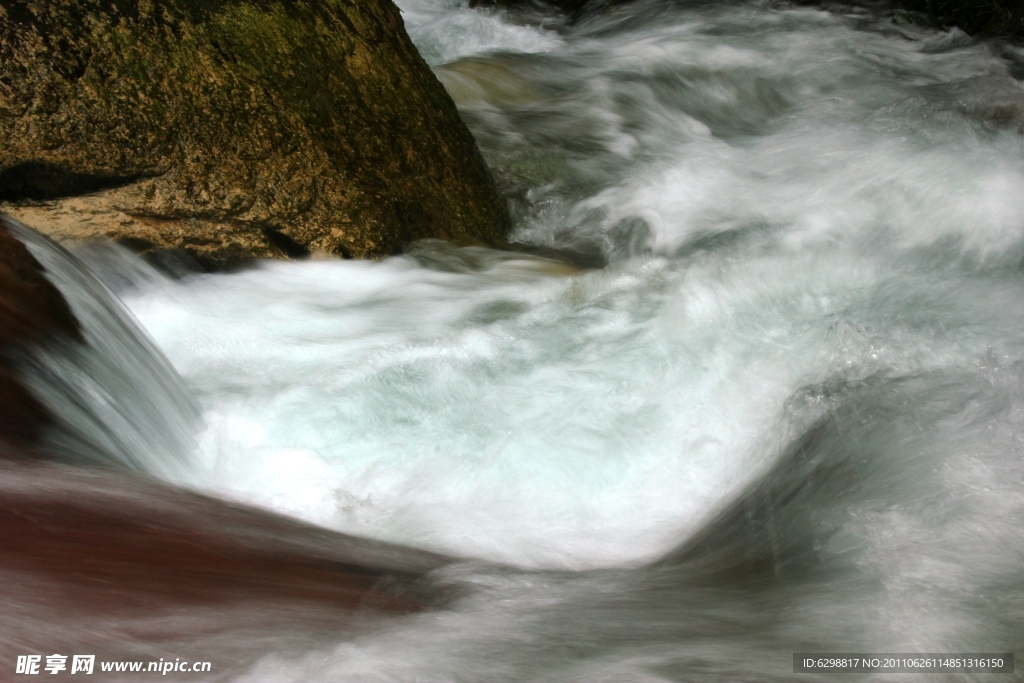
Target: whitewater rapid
<point>767,310</point>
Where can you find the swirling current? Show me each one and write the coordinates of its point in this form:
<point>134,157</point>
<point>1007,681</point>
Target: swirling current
<point>748,382</point>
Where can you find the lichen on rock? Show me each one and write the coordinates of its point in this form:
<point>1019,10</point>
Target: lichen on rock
<point>234,128</point>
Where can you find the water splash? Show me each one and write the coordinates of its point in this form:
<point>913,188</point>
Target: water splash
<point>449,29</point>
<point>783,414</point>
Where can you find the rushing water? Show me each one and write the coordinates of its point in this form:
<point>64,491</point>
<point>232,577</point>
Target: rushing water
<point>775,404</point>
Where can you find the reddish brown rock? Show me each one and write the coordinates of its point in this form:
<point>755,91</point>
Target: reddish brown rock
<point>119,565</point>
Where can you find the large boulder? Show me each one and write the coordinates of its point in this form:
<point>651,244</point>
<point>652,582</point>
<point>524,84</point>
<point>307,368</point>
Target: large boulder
<point>32,312</point>
<point>234,128</point>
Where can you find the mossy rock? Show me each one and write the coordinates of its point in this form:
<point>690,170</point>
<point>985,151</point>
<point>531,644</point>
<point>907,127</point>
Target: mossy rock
<point>235,128</point>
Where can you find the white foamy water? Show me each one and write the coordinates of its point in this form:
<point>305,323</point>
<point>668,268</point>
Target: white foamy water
<point>511,414</point>
<point>798,239</point>
<point>514,412</point>
<point>444,30</point>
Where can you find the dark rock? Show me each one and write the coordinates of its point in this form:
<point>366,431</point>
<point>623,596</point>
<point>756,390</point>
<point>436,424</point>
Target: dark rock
<point>230,128</point>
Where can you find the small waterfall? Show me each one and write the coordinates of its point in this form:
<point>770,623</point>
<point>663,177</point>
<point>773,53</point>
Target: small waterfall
<point>117,399</point>
<point>780,411</point>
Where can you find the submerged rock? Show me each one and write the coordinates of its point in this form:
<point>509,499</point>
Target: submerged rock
<point>138,539</point>
<point>234,129</point>
<point>31,311</point>
<point>118,565</point>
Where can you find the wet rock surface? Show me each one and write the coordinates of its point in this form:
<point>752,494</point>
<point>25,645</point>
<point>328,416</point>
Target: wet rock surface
<point>123,567</point>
